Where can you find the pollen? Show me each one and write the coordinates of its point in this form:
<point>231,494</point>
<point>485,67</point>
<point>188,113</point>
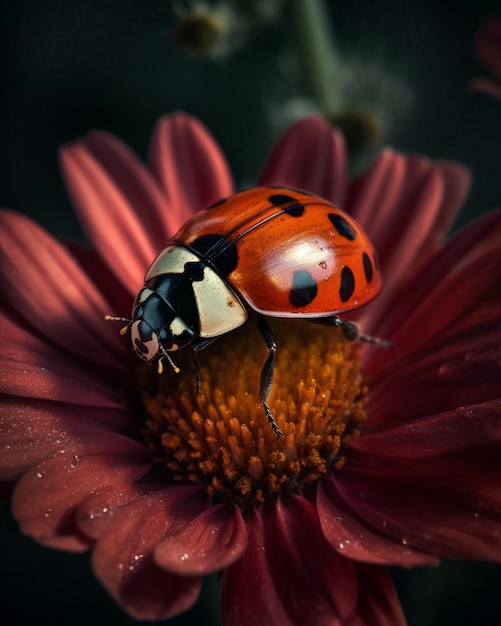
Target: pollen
<point>221,438</point>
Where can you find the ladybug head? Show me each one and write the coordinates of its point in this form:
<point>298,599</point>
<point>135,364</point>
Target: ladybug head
<point>156,329</point>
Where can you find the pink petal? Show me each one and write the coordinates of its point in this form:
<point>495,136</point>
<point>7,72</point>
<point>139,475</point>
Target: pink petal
<point>110,190</point>
<point>486,85</point>
<point>332,579</point>
<point>188,164</point>
<point>33,430</point>
<point>457,183</point>
<point>412,507</point>
<point>488,46</point>
<point>458,288</point>
<point>459,372</point>
<point>357,539</point>
<point>120,299</point>
<point>373,196</point>
<point>251,595</point>
<point>47,288</point>
<point>311,155</point>
<point>123,557</point>
<point>31,368</point>
<point>296,575</point>
<point>378,604</point>
<point>413,218</point>
<point>47,496</point>
<point>212,541</point>
<point>464,427</point>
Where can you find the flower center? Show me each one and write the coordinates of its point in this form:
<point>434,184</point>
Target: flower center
<point>221,437</point>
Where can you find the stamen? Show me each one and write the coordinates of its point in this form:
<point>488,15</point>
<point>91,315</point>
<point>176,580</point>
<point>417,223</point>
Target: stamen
<point>221,438</point>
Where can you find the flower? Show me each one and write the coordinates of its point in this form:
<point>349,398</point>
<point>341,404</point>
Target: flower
<point>389,457</point>
<point>487,48</point>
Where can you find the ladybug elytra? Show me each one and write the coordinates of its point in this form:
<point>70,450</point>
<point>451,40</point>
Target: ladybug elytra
<point>278,251</point>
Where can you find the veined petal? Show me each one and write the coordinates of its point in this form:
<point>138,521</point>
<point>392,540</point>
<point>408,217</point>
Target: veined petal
<point>107,206</point>
<point>372,196</point>
<point>458,288</point>
<point>252,572</point>
<point>379,604</point>
<point>32,368</point>
<point>412,506</point>
<point>46,497</point>
<point>211,542</point>
<point>311,155</point>
<point>188,164</point>
<point>31,430</point>
<point>461,371</point>
<point>47,288</point>
<point>330,582</point>
<point>356,539</point>
<point>123,557</point>
<point>488,46</point>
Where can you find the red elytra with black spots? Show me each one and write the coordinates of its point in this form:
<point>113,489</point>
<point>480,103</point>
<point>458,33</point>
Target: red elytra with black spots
<point>286,253</point>
<point>279,251</point>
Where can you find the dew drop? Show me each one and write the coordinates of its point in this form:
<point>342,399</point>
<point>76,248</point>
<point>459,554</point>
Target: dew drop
<point>40,474</point>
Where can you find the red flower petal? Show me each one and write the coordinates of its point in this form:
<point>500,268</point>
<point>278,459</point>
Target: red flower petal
<point>47,288</point>
<point>32,430</point>
<point>373,195</point>
<point>488,46</point>
<point>357,539</point>
<point>123,557</point>
<point>46,497</point>
<point>212,541</point>
<point>32,368</point>
<point>458,288</point>
<point>402,201</point>
<point>251,595</point>
<point>486,85</point>
<point>411,503</point>
<point>296,574</point>
<point>110,189</point>
<point>311,155</point>
<point>189,165</point>
<point>378,605</point>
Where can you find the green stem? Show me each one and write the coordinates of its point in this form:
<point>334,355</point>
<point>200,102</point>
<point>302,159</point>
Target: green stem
<point>316,48</point>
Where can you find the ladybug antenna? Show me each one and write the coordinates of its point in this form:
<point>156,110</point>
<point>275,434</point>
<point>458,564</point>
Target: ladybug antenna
<point>160,366</point>
<point>112,318</point>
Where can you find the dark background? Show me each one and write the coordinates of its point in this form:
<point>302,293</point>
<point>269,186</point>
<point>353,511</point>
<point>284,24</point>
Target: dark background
<point>69,67</point>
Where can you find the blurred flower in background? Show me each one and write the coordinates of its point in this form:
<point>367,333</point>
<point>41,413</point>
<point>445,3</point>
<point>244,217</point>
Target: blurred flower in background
<point>390,459</point>
<point>488,52</point>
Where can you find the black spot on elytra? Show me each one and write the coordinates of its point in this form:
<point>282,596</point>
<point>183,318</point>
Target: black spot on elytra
<point>304,289</point>
<point>347,284</point>
<point>220,254</point>
<point>296,209</point>
<point>342,227</point>
<point>368,269</point>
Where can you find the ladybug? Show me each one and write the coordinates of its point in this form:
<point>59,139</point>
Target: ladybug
<point>279,251</point>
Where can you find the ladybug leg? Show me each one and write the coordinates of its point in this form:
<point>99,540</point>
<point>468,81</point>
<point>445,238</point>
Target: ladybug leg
<point>196,347</point>
<point>351,331</point>
<point>266,381</point>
